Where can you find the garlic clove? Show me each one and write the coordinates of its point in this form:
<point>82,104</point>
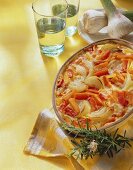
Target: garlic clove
<point>119,26</point>
<point>94,21</point>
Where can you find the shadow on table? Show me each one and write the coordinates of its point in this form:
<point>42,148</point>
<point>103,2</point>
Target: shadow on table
<point>62,162</point>
<point>72,45</point>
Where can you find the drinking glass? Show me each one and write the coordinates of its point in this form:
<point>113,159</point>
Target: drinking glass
<point>72,16</point>
<point>50,26</point>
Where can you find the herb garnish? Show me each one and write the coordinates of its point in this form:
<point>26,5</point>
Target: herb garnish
<point>96,142</point>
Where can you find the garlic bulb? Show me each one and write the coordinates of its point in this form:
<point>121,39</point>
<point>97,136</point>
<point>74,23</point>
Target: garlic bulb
<point>118,24</point>
<point>94,21</point>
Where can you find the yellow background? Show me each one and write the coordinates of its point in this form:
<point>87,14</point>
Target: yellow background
<point>26,81</point>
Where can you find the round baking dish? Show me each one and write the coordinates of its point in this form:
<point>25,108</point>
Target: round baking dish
<point>114,124</point>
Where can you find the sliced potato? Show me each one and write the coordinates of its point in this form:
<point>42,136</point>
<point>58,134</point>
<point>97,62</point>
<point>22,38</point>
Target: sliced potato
<point>58,101</point>
<point>90,67</point>
<point>100,115</point>
<point>115,65</point>
<point>85,108</point>
<point>111,47</point>
<point>128,83</point>
<point>130,67</point>
<point>81,70</point>
<point>93,81</point>
<point>79,88</point>
<point>108,47</point>
<point>74,104</point>
<point>127,51</point>
<point>78,84</point>
<point>117,107</point>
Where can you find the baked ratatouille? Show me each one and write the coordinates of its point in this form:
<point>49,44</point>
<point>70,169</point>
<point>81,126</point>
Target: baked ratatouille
<point>96,86</point>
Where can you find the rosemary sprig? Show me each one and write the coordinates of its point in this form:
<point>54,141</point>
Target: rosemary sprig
<point>96,142</point>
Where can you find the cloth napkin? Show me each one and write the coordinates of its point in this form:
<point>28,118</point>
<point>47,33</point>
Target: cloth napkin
<point>49,140</point>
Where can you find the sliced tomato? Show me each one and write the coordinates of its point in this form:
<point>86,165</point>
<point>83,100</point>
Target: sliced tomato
<point>122,98</point>
<point>94,103</point>
<point>81,96</point>
<point>106,81</point>
<point>106,55</point>
<point>111,119</point>
<point>75,123</point>
<point>78,60</point>
<point>124,65</point>
<point>90,49</point>
<point>60,82</point>
<point>101,72</point>
<point>69,73</point>
<point>98,62</point>
<point>101,69</point>
<point>113,81</point>
<point>101,66</point>
<point>98,100</point>
<point>93,88</point>
<point>129,97</point>
<point>99,51</point>
<point>93,91</point>
<point>121,114</point>
<point>102,97</point>
<point>63,105</point>
<point>70,112</point>
<point>83,122</point>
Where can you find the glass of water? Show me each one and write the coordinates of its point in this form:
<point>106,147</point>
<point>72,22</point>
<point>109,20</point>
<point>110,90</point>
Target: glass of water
<point>72,16</point>
<point>50,26</point>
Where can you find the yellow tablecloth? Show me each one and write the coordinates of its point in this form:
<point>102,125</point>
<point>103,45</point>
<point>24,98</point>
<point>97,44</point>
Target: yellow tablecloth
<point>26,81</point>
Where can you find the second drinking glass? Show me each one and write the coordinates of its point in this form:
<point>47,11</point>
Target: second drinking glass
<point>72,15</point>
